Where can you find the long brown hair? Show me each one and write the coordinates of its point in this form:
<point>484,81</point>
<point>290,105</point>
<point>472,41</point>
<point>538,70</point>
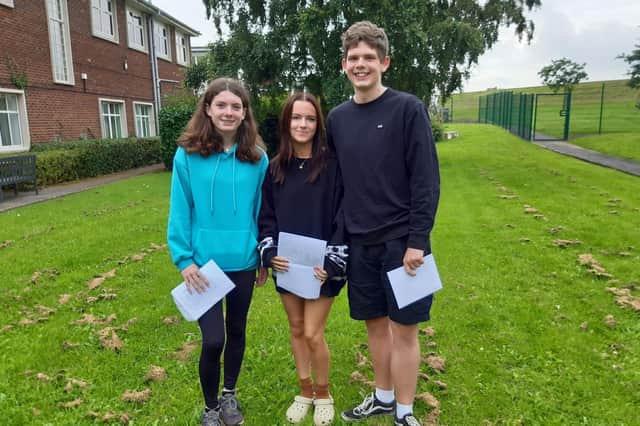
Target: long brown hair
<point>319,147</point>
<point>201,135</point>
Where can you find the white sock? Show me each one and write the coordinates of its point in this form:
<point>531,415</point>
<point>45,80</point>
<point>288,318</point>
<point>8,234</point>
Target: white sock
<point>403,409</point>
<point>386,396</point>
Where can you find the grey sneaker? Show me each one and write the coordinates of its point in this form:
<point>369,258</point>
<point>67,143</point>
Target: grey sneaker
<point>211,418</point>
<point>230,410</point>
<point>371,406</point>
<point>407,420</point>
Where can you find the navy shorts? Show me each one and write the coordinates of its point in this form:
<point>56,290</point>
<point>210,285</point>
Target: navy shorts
<point>330,288</point>
<point>370,293</point>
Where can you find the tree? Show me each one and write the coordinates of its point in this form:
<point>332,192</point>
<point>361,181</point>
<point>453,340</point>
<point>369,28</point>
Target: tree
<point>278,45</point>
<point>633,59</point>
<point>562,74</point>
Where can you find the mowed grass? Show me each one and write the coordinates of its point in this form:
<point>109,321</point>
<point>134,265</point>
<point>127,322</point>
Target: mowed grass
<point>626,145</point>
<point>520,323</point>
<point>619,114</point>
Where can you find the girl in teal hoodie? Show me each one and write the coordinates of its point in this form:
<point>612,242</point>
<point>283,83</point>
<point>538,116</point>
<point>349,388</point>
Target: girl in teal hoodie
<point>218,172</point>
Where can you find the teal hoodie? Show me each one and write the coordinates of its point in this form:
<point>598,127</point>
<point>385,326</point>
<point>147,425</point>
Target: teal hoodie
<point>214,208</point>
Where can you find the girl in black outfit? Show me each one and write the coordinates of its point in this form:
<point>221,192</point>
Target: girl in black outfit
<point>302,194</point>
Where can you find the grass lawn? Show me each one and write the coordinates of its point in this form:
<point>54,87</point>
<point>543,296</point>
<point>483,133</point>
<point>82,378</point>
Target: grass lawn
<point>524,329</point>
<point>619,114</point>
<point>626,145</point>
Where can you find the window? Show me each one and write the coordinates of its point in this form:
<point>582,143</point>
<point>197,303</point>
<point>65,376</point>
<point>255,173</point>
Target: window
<point>145,122</point>
<point>103,19</point>
<point>161,34</point>
<point>136,30</point>
<point>8,3</point>
<point>182,49</point>
<point>60,41</point>
<point>14,127</point>
<point>113,119</point>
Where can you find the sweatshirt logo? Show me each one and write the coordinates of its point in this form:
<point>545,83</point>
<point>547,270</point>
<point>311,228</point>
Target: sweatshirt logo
<point>380,126</point>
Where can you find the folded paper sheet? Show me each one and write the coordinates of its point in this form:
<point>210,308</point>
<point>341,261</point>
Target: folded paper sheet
<point>303,254</point>
<point>193,305</point>
<point>408,289</point>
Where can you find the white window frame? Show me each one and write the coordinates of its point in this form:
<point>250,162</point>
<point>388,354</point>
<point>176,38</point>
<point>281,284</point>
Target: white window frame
<point>99,7</point>
<point>64,62</point>
<point>152,123</point>
<point>8,3</point>
<point>182,49</point>
<point>132,28</point>
<point>23,121</point>
<point>162,40</point>
<point>123,118</point>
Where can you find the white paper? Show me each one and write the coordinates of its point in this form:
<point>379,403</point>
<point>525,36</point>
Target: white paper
<point>300,281</point>
<point>193,305</point>
<point>408,289</point>
<point>303,253</point>
<point>301,250</point>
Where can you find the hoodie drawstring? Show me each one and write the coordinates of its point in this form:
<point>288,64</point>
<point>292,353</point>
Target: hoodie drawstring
<point>233,184</point>
<point>213,181</point>
<point>235,206</point>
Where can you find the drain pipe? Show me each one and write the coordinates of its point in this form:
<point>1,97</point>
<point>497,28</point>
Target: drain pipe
<point>153,58</point>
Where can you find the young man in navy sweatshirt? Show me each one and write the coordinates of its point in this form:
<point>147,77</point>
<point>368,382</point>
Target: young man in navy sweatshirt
<point>388,160</point>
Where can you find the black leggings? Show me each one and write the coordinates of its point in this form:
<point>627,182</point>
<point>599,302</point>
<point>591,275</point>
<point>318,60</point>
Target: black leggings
<point>212,325</point>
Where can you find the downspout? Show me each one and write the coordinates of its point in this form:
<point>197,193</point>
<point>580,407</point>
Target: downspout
<point>154,72</point>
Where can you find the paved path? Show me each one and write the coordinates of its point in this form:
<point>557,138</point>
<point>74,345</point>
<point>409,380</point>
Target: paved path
<point>29,197</point>
<point>622,164</point>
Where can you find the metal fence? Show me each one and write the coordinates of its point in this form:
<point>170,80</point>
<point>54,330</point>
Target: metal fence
<point>512,111</point>
<point>597,107</point>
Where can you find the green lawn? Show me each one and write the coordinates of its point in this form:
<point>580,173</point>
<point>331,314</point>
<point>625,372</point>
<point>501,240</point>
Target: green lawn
<point>619,114</point>
<point>520,323</point>
<point>626,145</point>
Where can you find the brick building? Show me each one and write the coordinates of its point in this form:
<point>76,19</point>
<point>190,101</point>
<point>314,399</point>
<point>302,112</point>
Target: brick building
<point>73,69</point>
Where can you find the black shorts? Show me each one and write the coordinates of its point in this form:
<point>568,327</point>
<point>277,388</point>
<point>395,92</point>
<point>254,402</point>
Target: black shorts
<point>370,293</point>
<point>330,288</point>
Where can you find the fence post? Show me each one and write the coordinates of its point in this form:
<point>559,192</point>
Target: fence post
<point>601,108</point>
<point>451,111</point>
<point>568,117</point>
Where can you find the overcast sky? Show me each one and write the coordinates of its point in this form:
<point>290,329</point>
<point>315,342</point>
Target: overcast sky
<point>590,31</point>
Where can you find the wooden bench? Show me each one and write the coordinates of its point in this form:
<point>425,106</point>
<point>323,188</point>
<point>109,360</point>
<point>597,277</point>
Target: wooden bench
<point>18,169</point>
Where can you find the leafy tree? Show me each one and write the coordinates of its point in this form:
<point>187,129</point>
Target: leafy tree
<point>276,45</point>
<point>633,59</point>
<point>197,74</point>
<point>562,74</point>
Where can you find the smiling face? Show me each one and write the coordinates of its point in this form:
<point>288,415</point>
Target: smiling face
<point>304,122</point>
<point>364,68</point>
<point>226,112</point>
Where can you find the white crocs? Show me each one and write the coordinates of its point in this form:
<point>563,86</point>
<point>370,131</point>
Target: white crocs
<point>298,409</point>
<point>323,412</point>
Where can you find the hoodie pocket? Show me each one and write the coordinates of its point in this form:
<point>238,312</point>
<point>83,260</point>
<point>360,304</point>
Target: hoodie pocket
<point>231,250</point>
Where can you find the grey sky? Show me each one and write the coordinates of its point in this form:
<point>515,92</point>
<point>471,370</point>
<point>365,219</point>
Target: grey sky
<point>591,31</point>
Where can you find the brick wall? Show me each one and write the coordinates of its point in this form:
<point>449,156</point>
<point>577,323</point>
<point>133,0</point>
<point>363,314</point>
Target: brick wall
<point>58,111</point>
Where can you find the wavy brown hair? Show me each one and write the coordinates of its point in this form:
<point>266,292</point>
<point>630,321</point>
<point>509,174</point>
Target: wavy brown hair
<point>319,147</point>
<point>201,135</point>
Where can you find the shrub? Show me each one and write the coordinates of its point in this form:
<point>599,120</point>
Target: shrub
<point>59,162</point>
<point>173,118</point>
<point>438,129</point>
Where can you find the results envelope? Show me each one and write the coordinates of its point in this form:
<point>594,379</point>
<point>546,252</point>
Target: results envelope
<point>303,254</point>
<point>193,305</point>
<point>408,289</point>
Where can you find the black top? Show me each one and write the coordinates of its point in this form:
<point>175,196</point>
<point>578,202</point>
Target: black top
<point>389,168</point>
<point>304,208</point>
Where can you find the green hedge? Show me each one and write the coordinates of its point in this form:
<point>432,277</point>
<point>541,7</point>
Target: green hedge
<point>173,119</point>
<point>59,162</point>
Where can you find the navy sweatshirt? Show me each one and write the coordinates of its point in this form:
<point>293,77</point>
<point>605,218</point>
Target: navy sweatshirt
<point>389,168</point>
<point>304,208</point>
